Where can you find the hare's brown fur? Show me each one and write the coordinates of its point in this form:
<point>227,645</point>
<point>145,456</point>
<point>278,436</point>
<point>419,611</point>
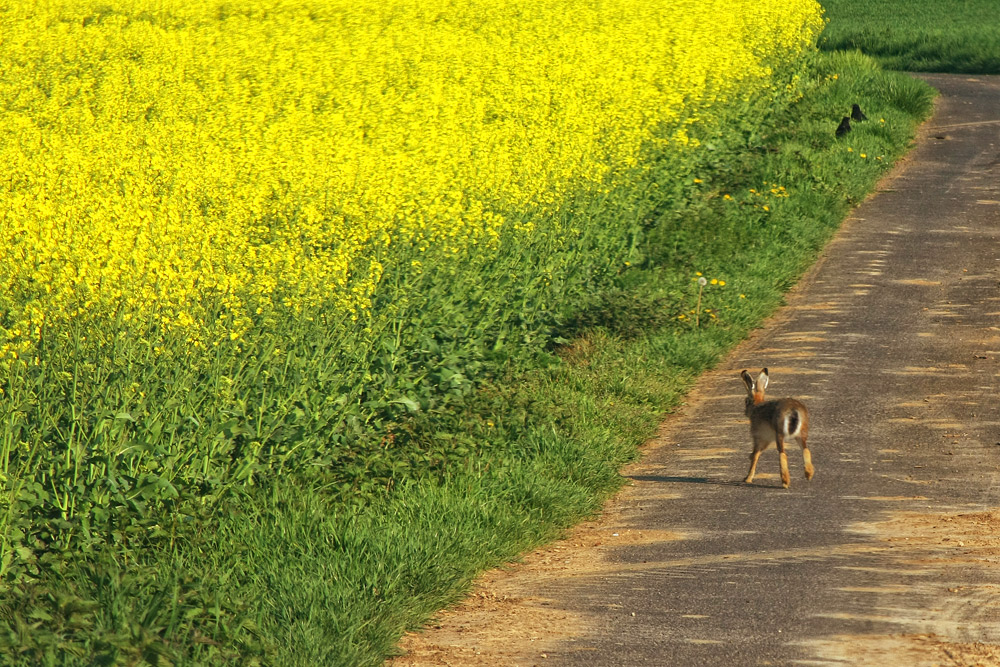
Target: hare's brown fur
<point>774,422</point>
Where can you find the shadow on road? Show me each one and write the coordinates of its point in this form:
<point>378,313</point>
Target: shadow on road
<point>666,479</point>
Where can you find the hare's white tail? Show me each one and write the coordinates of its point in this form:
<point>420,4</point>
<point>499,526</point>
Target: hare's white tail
<point>792,425</point>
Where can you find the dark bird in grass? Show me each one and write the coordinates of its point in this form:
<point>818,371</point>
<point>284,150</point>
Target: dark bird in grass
<point>844,127</point>
<point>857,114</point>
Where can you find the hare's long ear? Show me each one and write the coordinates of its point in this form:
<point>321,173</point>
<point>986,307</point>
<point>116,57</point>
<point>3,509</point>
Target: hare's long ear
<point>762,380</point>
<point>748,380</point>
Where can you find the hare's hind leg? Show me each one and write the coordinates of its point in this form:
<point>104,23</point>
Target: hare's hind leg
<point>806,456</point>
<point>785,479</point>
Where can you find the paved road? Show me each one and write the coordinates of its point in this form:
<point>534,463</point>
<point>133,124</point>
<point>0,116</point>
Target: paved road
<point>890,555</point>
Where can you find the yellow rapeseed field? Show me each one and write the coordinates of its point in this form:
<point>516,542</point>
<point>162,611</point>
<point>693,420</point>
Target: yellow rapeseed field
<point>204,165</point>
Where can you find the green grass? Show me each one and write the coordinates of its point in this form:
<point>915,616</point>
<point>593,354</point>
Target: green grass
<point>918,35</point>
<point>305,567</point>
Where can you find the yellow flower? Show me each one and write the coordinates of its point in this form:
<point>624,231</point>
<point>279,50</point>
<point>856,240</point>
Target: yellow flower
<point>286,158</point>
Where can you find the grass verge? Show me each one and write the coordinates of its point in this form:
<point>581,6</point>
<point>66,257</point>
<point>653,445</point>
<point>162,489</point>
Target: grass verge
<point>293,573</point>
<point>918,35</point>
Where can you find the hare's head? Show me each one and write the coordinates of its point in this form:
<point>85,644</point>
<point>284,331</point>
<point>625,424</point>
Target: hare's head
<point>755,388</point>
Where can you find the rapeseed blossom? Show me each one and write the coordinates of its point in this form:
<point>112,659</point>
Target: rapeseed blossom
<point>207,168</point>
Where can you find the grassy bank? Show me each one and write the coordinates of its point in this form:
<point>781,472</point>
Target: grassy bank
<point>293,572</point>
<point>918,35</point>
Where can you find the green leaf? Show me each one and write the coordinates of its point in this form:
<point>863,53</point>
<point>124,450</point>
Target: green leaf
<point>409,403</point>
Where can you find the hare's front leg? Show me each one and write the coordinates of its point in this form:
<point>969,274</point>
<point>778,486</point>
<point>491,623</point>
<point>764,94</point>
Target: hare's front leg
<point>785,479</point>
<point>758,448</point>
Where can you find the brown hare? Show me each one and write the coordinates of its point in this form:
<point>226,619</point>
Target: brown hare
<point>772,422</point>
